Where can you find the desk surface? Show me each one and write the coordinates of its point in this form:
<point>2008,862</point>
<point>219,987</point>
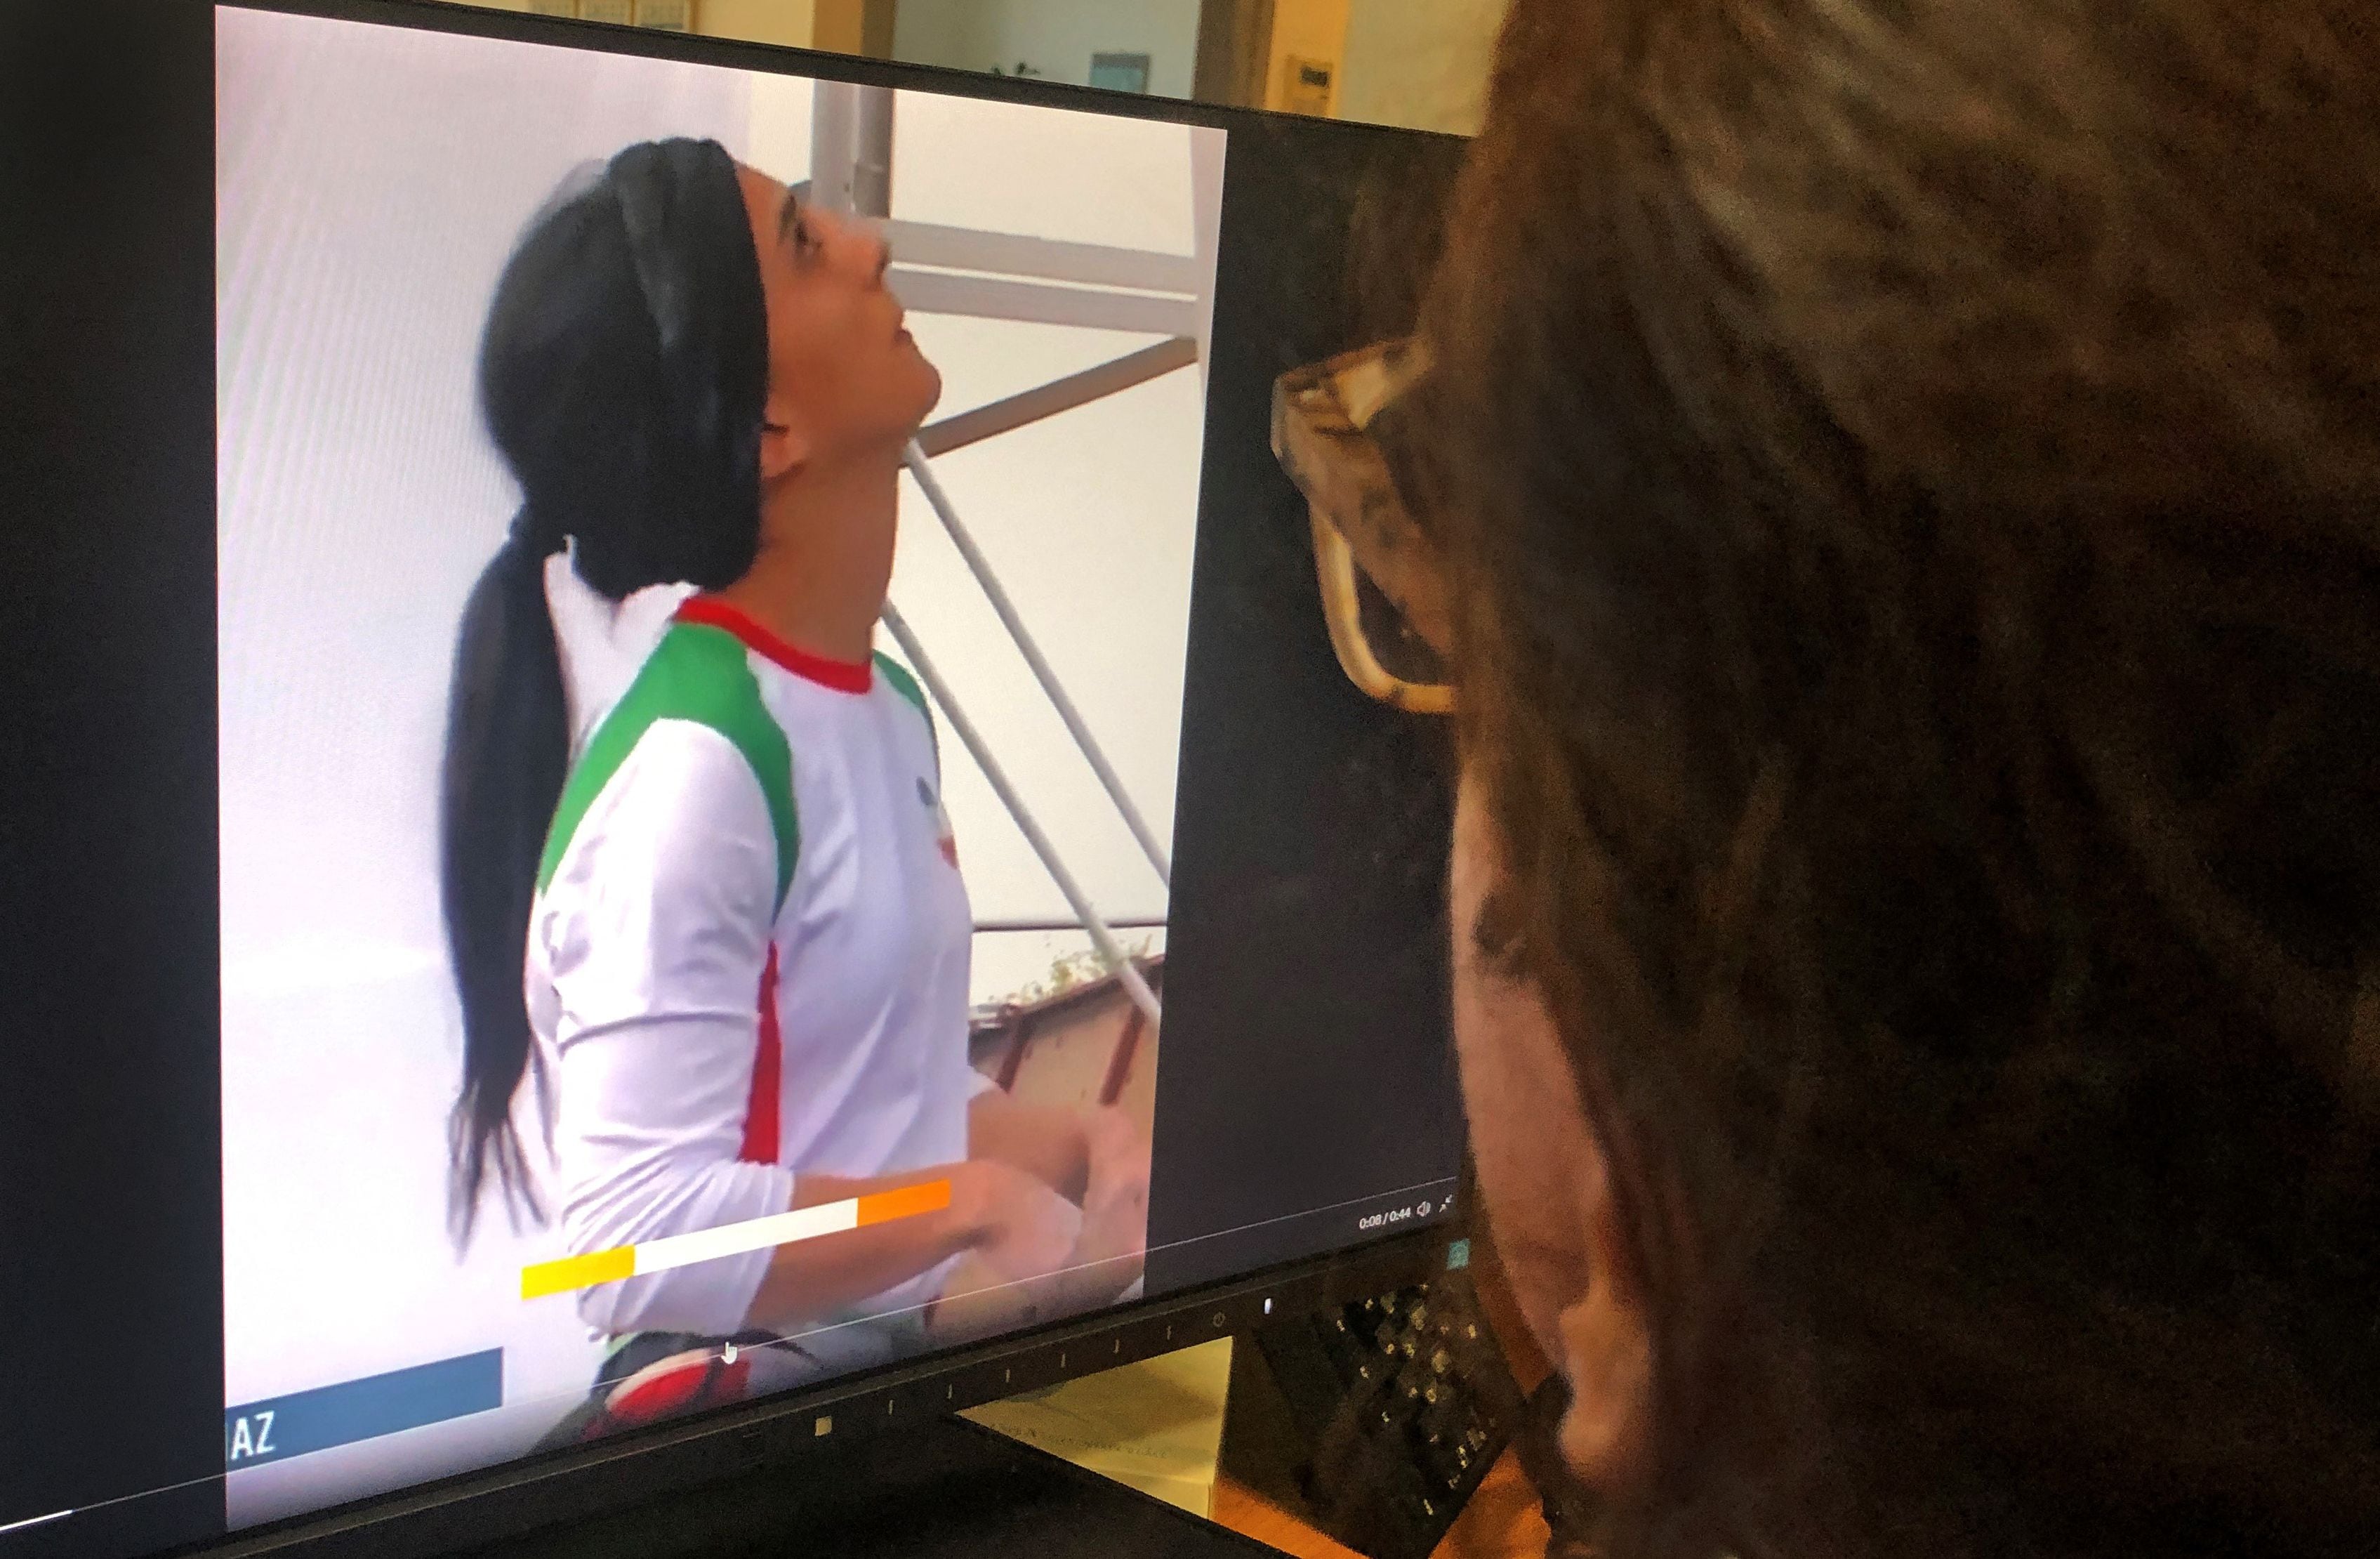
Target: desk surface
<point>1499,1521</point>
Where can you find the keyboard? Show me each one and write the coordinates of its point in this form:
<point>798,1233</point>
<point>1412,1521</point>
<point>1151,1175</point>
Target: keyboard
<point>1374,1422</point>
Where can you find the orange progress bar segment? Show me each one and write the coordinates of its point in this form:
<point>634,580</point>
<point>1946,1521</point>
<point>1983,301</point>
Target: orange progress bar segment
<point>906,1202</point>
<point>732,1239</point>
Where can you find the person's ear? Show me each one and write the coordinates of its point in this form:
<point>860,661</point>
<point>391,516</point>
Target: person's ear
<point>1607,1343</point>
<point>784,447</point>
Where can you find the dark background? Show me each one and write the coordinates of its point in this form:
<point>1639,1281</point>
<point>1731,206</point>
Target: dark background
<point>1305,1063</point>
<point>111,1317</point>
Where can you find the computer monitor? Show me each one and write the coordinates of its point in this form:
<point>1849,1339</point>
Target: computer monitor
<point>527,997</point>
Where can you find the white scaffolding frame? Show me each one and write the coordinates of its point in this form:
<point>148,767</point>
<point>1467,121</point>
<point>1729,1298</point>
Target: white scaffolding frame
<point>944,270</point>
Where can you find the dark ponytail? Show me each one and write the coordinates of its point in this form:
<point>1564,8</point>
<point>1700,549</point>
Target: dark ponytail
<point>507,745</point>
<point>621,377</point>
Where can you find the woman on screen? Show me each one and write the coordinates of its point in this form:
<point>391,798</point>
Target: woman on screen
<point>732,890</point>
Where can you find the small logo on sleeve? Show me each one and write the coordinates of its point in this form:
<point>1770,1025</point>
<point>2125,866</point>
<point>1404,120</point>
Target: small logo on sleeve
<point>949,841</point>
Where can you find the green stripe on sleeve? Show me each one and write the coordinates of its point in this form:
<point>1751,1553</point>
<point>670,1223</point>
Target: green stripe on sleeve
<point>906,686</point>
<point>698,673</point>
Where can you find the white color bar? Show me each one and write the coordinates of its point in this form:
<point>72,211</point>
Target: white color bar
<point>589,1268</point>
<point>753,1234</point>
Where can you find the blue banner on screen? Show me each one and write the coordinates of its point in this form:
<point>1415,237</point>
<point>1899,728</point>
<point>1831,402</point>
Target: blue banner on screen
<point>352,1410</point>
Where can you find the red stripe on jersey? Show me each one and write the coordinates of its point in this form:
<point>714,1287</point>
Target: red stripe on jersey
<point>761,1115</point>
<point>844,677</point>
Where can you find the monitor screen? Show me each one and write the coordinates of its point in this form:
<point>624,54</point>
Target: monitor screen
<point>782,797</point>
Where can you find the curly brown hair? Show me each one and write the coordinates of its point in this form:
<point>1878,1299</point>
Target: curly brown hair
<point>1912,473</point>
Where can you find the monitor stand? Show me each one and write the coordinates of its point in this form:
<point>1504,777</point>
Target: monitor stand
<point>950,1489</point>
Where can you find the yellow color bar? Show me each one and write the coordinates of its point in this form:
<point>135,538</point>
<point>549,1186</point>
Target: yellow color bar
<point>577,1271</point>
<point>732,1239</point>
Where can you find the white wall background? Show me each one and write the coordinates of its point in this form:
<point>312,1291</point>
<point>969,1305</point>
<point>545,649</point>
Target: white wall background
<point>1088,518</point>
<point>372,183</point>
<point>1057,38</point>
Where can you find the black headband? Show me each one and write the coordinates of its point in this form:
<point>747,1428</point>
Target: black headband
<point>690,237</point>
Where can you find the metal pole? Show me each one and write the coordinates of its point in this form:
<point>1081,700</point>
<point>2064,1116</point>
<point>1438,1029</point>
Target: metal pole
<point>871,167</point>
<point>851,148</point>
<point>834,153</point>
<point>981,566</point>
<point>1128,973</point>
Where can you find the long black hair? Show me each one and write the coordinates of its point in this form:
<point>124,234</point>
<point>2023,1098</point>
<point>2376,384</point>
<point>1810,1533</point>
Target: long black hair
<point>621,377</point>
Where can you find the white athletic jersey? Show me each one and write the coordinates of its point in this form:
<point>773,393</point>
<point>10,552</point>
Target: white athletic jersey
<point>748,957</point>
